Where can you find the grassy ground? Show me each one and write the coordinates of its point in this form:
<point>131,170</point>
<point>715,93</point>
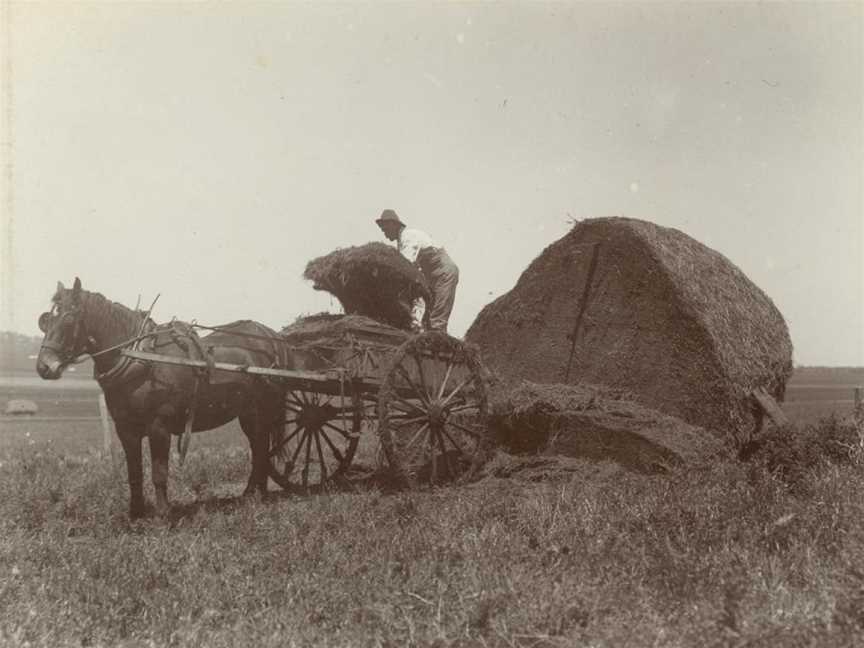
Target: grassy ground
<point>766,553</point>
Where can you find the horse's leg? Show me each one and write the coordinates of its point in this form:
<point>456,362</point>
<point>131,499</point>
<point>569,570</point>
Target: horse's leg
<point>130,437</point>
<point>267,416</point>
<point>160,447</point>
<point>252,423</point>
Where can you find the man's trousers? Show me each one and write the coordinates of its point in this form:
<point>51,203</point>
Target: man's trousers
<point>442,276</point>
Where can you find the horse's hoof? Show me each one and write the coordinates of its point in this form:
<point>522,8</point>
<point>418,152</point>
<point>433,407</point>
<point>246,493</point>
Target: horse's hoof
<point>255,495</point>
<point>140,511</point>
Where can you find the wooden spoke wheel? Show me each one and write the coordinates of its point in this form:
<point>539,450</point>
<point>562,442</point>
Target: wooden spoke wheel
<point>314,447</point>
<point>432,409</point>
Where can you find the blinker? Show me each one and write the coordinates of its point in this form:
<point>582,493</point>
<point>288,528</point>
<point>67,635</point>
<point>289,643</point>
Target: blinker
<point>45,322</point>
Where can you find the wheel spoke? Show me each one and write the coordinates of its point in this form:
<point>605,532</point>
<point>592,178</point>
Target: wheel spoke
<point>292,396</point>
<point>282,442</point>
<point>299,447</point>
<point>462,408</point>
<point>339,430</point>
<point>456,390</point>
<point>455,444</point>
<point>405,421</point>
<point>446,378</point>
<point>422,377</point>
<point>419,431</point>
<point>451,473</point>
<point>420,448</point>
<point>399,415</point>
<point>308,454</point>
<point>473,433</point>
<point>421,393</point>
<point>323,469</point>
<point>434,477</point>
<point>416,408</point>
<point>339,456</point>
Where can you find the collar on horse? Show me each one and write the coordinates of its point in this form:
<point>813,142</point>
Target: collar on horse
<point>126,369</point>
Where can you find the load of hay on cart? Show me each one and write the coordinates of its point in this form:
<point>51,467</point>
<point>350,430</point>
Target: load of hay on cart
<point>348,377</point>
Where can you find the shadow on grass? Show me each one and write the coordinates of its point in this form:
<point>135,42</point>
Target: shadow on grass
<point>357,480</point>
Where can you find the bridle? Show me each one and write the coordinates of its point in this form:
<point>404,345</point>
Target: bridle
<point>81,342</point>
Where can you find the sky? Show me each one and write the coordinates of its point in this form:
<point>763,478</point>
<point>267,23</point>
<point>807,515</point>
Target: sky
<point>206,152</point>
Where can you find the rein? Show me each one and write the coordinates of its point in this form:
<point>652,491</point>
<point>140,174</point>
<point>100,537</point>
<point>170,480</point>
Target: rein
<point>141,336</point>
<point>84,356</point>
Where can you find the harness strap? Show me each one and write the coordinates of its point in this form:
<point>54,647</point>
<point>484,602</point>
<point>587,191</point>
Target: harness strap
<point>206,354</point>
<point>126,369</point>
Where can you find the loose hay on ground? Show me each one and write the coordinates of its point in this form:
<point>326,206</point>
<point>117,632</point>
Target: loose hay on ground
<point>599,424</point>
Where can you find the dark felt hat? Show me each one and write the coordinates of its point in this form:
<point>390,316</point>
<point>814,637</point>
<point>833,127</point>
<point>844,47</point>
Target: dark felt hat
<point>389,216</point>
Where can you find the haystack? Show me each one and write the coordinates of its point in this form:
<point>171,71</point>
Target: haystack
<point>333,329</point>
<point>635,306</point>
<point>371,280</point>
<point>321,342</point>
<point>599,424</point>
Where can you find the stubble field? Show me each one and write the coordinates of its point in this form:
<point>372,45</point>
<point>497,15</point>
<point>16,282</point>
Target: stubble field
<point>763,553</point>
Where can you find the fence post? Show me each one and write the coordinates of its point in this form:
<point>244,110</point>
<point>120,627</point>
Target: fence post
<point>858,410</point>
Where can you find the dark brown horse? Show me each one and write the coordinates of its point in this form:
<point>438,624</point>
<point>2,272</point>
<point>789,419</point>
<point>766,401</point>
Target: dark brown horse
<point>156,400</point>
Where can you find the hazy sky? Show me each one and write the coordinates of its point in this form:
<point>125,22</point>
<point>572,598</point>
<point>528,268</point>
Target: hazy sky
<point>208,151</point>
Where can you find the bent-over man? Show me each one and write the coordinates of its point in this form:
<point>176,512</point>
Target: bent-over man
<point>436,265</point>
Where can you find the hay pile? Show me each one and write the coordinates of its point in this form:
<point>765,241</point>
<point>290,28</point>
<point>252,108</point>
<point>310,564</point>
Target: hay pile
<point>371,280</point>
<point>664,317</point>
<point>598,424</point>
<point>324,341</point>
<point>330,328</point>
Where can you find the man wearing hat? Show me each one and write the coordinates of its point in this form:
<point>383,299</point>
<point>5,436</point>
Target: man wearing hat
<point>436,265</point>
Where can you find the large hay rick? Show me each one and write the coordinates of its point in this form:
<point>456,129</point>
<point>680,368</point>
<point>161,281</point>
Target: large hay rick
<point>629,304</point>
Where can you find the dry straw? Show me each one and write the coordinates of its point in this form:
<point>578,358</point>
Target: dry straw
<point>665,317</point>
<point>371,280</point>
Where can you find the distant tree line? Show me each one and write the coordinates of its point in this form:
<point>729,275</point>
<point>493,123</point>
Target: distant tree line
<point>16,350</point>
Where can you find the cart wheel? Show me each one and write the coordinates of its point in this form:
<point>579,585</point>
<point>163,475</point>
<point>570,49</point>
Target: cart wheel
<point>317,442</point>
<point>432,410</point>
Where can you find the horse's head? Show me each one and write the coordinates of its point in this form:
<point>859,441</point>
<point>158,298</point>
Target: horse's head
<point>65,332</point>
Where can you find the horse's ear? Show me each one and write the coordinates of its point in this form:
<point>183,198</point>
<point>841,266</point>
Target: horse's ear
<point>60,286</point>
<point>76,288</point>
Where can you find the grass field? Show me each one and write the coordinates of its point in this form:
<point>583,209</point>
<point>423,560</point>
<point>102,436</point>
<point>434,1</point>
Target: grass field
<point>816,392</point>
<point>766,553</point>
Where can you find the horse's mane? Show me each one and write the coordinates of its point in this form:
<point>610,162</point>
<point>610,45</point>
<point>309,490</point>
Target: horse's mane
<point>111,317</point>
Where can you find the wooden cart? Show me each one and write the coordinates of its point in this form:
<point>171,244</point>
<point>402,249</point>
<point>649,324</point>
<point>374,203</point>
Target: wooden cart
<point>425,396</point>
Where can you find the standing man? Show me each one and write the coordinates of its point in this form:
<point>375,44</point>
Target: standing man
<point>436,265</point>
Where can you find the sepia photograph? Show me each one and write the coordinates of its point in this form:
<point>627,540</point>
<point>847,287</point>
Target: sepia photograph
<point>521,324</point>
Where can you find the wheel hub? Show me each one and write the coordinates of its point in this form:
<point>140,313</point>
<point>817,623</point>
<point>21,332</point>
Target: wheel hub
<point>315,416</point>
<point>437,414</point>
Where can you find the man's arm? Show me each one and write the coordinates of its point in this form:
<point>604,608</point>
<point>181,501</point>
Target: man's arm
<point>418,310</point>
<point>410,245</point>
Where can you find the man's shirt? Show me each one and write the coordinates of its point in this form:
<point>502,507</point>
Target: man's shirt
<point>411,241</point>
